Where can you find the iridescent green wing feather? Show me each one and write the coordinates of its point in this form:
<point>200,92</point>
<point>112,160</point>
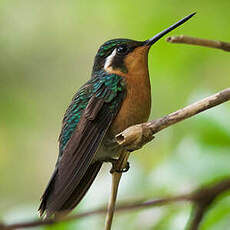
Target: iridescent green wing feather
<point>103,86</point>
<point>73,114</point>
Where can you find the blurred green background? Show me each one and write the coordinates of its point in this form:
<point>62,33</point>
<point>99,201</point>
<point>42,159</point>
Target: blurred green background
<point>46,54</point>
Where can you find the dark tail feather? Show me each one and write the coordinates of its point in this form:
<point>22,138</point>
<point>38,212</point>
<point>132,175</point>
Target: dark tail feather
<point>83,187</point>
<point>75,197</point>
<point>49,188</point>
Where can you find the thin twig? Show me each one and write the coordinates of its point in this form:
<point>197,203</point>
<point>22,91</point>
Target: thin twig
<point>196,217</point>
<point>197,197</point>
<point>202,199</point>
<point>116,176</point>
<point>199,42</point>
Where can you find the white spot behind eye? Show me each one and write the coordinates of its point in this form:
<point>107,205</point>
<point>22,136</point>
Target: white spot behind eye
<point>109,59</point>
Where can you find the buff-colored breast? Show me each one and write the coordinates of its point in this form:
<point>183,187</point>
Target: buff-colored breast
<point>136,106</point>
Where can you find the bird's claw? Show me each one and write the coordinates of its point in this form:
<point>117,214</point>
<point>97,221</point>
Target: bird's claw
<point>114,169</point>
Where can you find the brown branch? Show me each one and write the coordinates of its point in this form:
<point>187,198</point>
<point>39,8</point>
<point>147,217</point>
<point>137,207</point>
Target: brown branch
<point>203,195</point>
<point>202,199</point>
<point>196,216</point>
<point>199,42</point>
<point>136,136</point>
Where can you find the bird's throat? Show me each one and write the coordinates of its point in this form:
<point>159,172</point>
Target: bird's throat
<point>136,106</point>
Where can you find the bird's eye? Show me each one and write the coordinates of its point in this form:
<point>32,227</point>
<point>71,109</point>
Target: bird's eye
<point>122,49</point>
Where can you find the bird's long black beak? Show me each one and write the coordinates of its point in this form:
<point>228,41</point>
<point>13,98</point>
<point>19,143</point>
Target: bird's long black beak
<point>152,40</point>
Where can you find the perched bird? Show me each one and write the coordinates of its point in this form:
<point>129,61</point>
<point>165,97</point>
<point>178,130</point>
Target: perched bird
<point>117,96</point>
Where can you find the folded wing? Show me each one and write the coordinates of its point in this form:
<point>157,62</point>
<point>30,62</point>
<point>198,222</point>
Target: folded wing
<point>105,95</point>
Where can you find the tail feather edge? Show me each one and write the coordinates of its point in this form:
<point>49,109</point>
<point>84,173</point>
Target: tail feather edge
<point>75,197</point>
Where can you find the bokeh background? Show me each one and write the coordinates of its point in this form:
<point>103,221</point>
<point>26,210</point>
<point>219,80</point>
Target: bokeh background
<point>46,54</point>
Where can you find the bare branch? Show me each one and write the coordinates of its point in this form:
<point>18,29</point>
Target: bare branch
<point>199,42</point>
<point>202,199</point>
<point>196,217</point>
<point>136,136</point>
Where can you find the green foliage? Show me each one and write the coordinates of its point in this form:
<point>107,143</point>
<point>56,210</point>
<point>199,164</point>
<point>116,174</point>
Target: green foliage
<point>47,50</point>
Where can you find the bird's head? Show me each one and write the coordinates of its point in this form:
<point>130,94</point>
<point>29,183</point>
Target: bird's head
<point>122,56</point>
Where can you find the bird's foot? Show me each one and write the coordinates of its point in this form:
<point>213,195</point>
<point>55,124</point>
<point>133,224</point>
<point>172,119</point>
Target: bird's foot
<point>114,166</point>
<point>126,169</point>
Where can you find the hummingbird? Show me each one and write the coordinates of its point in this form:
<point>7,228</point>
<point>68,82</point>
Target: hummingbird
<point>117,95</point>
